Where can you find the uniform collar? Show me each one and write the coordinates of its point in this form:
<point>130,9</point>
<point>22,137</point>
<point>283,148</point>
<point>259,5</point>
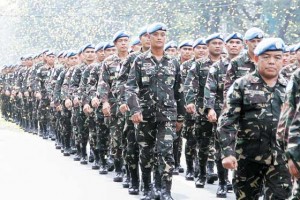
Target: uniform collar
<point>256,78</point>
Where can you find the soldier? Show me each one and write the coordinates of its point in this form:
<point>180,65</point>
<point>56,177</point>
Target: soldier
<point>107,94</point>
<point>288,70</point>
<point>171,48</point>
<point>188,132</point>
<point>135,45</point>
<point>213,102</point>
<point>131,151</point>
<point>185,51</point>
<point>195,83</point>
<point>293,57</point>
<point>286,56</point>
<point>247,128</point>
<point>154,88</point>
<point>245,63</point>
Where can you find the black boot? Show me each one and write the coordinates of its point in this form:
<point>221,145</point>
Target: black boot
<point>190,171</point>
<point>83,159</point>
<point>103,163</point>
<point>211,175</point>
<point>156,188</point>
<point>222,191</point>
<point>166,190</point>
<point>134,185</point>
<point>200,182</point>
<point>110,163</point>
<point>146,177</point>
<point>126,182</point>
<point>67,148</point>
<point>78,153</point>
<point>92,156</point>
<point>119,173</point>
<point>97,159</point>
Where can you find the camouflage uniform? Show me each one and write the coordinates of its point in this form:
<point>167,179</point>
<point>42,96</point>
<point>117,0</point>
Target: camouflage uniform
<point>194,85</point>
<point>237,68</point>
<point>249,120</point>
<point>107,93</point>
<point>155,89</point>
<point>288,125</point>
<point>288,70</point>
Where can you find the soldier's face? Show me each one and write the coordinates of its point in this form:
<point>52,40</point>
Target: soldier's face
<point>136,48</point>
<point>100,55</point>
<point>145,41</point>
<point>122,44</point>
<point>270,63</point>
<point>253,43</point>
<point>234,46</point>
<point>109,51</point>
<point>89,54</point>
<point>298,55</point>
<point>50,59</point>
<point>158,39</point>
<point>292,57</point>
<point>29,62</point>
<point>286,58</point>
<point>186,52</point>
<point>215,47</point>
<point>73,60</point>
<point>172,51</point>
<point>200,51</point>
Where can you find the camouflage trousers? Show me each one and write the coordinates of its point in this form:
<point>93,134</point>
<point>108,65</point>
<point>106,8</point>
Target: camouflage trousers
<point>159,136</point>
<point>98,134</point>
<point>250,177</point>
<point>188,133</point>
<point>65,127</point>
<point>43,115</point>
<point>5,106</point>
<point>177,147</point>
<point>80,128</point>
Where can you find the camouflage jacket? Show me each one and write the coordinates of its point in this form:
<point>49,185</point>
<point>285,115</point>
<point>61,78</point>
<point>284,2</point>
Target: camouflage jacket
<point>249,120</point>
<point>31,81</point>
<point>21,77</point>
<point>75,81</point>
<point>237,68</point>
<point>214,86</point>
<point>9,82</point>
<point>84,86</point>
<point>155,88</point>
<point>106,88</point>
<point>195,84</point>
<point>93,80</point>
<point>43,77</point>
<point>63,84</point>
<point>288,70</point>
<point>288,134</point>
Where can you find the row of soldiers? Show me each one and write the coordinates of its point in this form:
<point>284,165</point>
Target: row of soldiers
<point>134,109</point>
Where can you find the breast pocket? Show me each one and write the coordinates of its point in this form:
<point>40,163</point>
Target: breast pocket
<point>170,77</point>
<point>254,105</point>
<point>146,75</point>
<point>203,77</point>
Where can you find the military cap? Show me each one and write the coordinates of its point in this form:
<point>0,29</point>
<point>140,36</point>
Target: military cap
<point>22,58</point>
<point>286,49</point>
<point>186,43</point>
<point>45,51</point>
<point>234,35</point>
<point>108,45</point>
<point>156,27</point>
<point>60,54</point>
<point>171,44</point>
<point>142,31</point>
<point>135,41</point>
<point>214,36</point>
<point>87,46</point>
<point>71,53</point>
<point>253,33</point>
<point>296,47</point>
<point>50,53</point>
<point>99,46</point>
<point>28,56</point>
<point>119,34</point>
<point>269,44</point>
<point>199,41</point>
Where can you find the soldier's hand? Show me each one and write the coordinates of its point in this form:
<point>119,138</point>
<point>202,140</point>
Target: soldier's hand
<point>212,115</point>
<point>230,162</point>
<point>26,94</point>
<point>123,108</point>
<point>293,169</point>
<point>59,108</point>
<point>68,103</point>
<point>52,104</point>
<point>178,126</point>
<point>38,95</point>
<point>191,108</point>
<point>137,118</point>
<point>7,93</point>
<point>106,109</point>
<point>76,102</point>
<point>87,109</point>
<point>95,102</point>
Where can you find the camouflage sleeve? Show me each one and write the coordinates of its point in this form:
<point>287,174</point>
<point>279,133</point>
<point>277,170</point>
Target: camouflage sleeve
<point>93,81</point>
<point>103,88</point>
<point>19,81</point>
<point>57,88</point>
<point>230,76</point>
<point>122,79</point>
<point>191,85</point>
<point>132,87</point>
<point>38,80</point>
<point>229,119</point>
<point>74,83</point>
<point>179,95</point>
<point>84,86</point>
<point>210,88</point>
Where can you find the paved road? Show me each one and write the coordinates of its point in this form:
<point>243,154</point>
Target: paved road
<point>32,169</point>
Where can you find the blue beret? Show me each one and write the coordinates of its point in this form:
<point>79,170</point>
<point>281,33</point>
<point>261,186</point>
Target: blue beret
<point>50,53</point>
<point>214,36</point>
<point>60,54</point>
<point>199,41</point>
<point>186,43</point>
<point>71,53</point>
<point>108,45</point>
<point>135,41</point>
<point>156,27</point>
<point>253,33</point>
<point>99,46</point>
<point>286,49</point>
<point>119,34</point>
<point>234,36</point>
<point>142,31</point>
<point>87,46</point>
<point>269,44</point>
<point>171,44</point>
